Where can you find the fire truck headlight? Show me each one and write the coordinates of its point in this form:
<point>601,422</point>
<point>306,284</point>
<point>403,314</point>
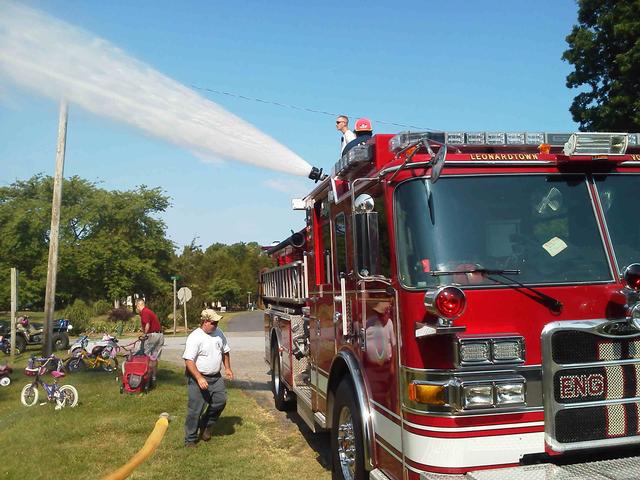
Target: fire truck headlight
<point>477,396</point>
<point>475,352</point>
<point>510,393</point>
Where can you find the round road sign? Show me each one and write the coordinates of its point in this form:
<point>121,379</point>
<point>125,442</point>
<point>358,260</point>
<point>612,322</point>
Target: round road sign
<point>184,294</point>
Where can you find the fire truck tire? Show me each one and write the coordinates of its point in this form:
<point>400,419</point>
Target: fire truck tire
<point>280,393</point>
<point>347,446</point>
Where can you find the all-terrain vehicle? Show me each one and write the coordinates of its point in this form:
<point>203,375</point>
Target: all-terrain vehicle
<point>31,333</point>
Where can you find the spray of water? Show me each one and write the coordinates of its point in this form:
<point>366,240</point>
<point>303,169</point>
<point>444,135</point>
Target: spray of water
<point>59,60</point>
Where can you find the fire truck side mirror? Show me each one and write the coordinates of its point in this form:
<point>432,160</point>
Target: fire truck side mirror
<point>437,163</point>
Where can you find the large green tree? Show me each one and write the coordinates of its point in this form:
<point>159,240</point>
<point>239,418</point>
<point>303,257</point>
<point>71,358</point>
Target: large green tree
<point>225,273</point>
<point>111,243</point>
<point>604,49</point>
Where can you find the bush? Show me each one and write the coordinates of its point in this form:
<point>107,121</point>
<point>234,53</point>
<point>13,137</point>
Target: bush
<point>101,307</point>
<point>120,314</point>
<point>79,314</point>
<point>116,328</point>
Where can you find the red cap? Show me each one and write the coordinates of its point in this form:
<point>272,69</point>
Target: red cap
<point>363,125</point>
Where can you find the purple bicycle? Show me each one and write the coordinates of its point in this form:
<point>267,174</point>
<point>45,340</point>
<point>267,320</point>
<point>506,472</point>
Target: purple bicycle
<point>63,396</point>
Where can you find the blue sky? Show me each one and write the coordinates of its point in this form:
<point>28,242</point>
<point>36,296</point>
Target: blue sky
<point>456,65</point>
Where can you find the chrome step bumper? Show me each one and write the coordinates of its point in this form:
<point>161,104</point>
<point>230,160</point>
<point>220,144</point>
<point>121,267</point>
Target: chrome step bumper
<point>617,469</point>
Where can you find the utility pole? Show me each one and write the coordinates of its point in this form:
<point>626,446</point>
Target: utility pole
<point>175,320</point>
<point>14,307</point>
<point>52,267</point>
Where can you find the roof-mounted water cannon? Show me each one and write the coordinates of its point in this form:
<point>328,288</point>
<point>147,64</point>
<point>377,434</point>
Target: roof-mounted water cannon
<point>316,174</point>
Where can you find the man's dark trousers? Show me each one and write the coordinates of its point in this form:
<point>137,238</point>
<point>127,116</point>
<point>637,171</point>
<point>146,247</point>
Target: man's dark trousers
<point>204,406</point>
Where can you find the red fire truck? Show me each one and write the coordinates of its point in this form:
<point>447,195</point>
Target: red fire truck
<point>466,304</point>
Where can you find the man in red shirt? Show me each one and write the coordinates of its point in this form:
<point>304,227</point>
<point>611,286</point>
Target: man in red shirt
<point>152,329</point>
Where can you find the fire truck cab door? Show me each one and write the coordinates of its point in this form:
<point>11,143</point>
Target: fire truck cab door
<point>321,331</point>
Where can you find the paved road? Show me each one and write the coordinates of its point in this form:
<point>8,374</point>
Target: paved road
<point>246,339</point>
<point>245,334</point>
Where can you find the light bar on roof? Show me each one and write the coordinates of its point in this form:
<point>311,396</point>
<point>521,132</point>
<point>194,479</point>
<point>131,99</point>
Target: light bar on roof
<point>356,157</point>
<point>534,138</point>
<point>585,143</point>
<point>404,139</point>
<point>608,143</point>
<point>495,138</point>
<point>475,138</point>
<point>455,138</point>
<point>515,138</point>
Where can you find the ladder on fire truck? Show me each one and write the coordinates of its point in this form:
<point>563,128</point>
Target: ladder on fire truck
<point>286,283</point>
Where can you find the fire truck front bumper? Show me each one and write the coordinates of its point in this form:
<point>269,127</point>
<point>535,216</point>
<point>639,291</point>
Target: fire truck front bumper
<point>617,469</point>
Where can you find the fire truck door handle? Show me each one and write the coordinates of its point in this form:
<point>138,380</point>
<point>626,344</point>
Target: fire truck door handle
<point>337,317</point>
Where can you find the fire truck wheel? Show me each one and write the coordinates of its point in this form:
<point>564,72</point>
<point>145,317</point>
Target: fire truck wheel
<point>347,447</point>
<point>281,396</point>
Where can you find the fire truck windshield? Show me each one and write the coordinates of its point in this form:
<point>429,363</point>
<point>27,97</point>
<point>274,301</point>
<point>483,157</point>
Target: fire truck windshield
<point>542,225</point>
<point>616,193</point>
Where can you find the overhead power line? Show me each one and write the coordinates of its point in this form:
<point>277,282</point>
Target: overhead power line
<point>304,109</point>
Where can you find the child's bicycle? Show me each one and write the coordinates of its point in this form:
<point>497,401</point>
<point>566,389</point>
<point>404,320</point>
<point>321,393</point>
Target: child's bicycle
<point>63,396</point>
<point>83,360</point>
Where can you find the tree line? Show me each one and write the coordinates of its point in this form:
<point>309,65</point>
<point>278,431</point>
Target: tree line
<point>113,244</point>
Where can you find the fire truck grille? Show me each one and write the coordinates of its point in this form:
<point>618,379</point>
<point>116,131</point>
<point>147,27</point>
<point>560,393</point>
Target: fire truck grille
<point>593,386</point>
<point>570,346</point>
<point>597,423</point>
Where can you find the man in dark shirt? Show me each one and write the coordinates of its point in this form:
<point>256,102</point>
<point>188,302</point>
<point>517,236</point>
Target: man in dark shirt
<point>152,329</point>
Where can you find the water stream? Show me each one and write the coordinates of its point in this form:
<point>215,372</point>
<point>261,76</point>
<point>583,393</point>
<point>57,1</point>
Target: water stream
<point>59,60</point>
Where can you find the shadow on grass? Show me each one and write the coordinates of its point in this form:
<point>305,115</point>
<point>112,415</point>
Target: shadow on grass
<point>171,377</point>
<point>226,426</point>
<point>320,442</point>
<point>250,385</point>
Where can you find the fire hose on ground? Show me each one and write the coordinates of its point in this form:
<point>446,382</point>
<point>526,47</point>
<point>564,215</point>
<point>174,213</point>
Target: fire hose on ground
<point>154,439</point>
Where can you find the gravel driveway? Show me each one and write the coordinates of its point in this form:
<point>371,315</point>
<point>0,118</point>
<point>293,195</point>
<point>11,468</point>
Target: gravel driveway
<point>245,335</point>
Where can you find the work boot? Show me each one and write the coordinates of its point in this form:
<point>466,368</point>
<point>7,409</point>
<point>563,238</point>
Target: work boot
<point>205,436</point>
<point>190,445</point>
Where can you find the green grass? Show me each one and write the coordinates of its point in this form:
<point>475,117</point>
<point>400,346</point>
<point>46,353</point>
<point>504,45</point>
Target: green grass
<point>107,428</point>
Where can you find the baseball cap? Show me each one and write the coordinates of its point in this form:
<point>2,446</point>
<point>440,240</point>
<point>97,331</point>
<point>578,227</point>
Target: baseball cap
<point>210,314</point>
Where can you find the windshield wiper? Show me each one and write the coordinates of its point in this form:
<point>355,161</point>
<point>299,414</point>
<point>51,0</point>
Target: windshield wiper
<point>548,301</point>
<point>484,271</point>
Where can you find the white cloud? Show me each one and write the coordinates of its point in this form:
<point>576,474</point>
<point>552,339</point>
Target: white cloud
<point>295,188</point>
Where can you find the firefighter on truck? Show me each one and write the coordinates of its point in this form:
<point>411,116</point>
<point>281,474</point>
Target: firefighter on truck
<point>466,304</point>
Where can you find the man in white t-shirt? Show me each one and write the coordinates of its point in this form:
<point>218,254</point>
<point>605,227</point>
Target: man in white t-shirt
<point>204,354</point>
<point>342,125</point>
